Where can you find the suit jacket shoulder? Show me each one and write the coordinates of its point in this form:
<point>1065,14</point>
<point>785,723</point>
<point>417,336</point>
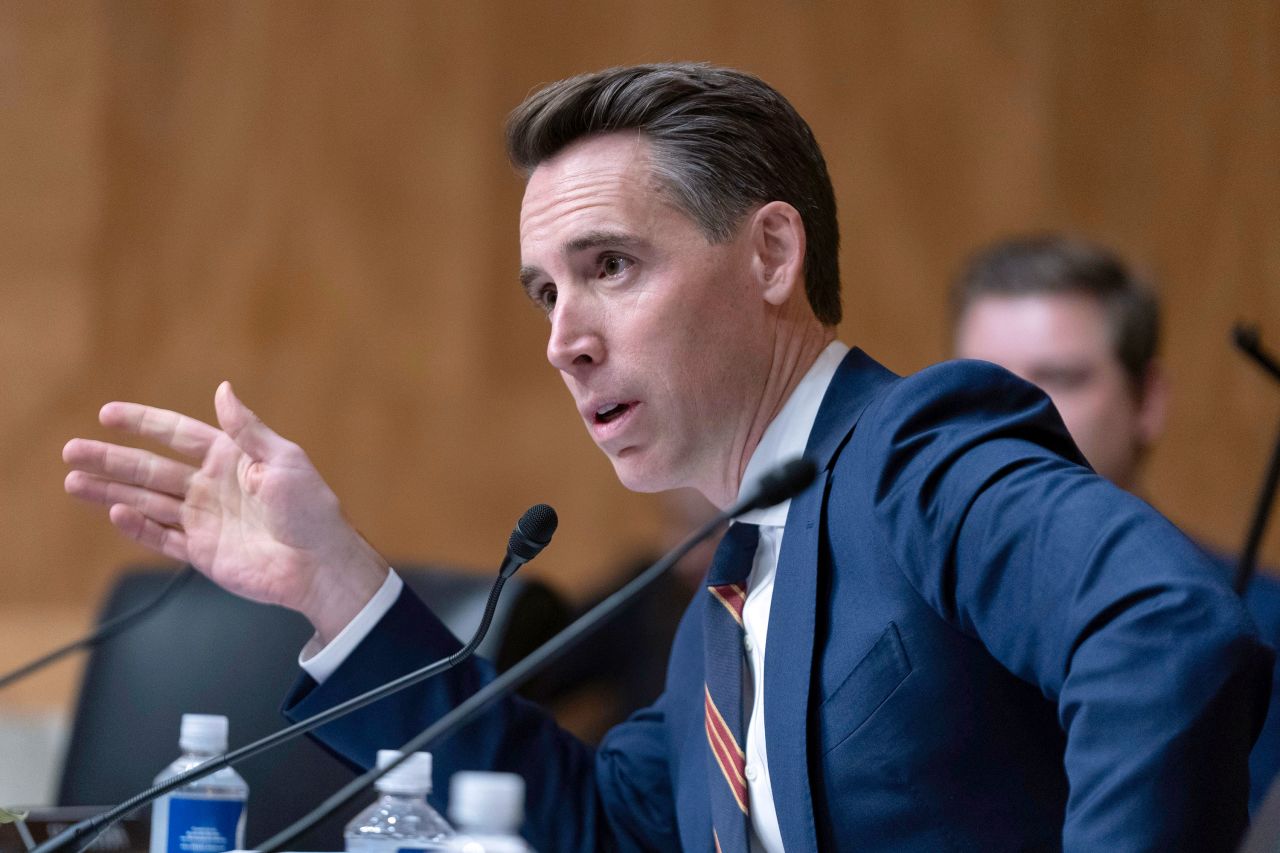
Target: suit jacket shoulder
<point>1003,607</point>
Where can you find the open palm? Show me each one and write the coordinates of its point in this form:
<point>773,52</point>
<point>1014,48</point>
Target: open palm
<point>247,507</point>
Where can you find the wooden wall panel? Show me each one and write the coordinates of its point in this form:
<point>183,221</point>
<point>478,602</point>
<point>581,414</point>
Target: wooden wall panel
<point>311,200</point>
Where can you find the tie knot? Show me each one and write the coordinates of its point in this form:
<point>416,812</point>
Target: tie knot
<point>735,555</point>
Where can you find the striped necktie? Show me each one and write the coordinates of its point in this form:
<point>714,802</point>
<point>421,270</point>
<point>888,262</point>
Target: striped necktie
<point>722,641</point>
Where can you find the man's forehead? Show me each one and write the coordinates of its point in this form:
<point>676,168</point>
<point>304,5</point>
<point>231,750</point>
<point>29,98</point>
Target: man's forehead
<point>602,183</point>
<point>1065,308</point>
<point>623,155</point>
<point>1007,327</point>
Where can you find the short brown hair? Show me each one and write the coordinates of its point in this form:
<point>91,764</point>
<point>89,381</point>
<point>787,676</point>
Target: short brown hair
<point>1051,263</point>
<point>723,142</point>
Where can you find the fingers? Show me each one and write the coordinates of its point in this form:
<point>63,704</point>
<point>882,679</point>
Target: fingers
<point>180,433</point>
<point>128,465</point>
<point>165,509</point>
<point>249,433</point>
<point>169,541</point>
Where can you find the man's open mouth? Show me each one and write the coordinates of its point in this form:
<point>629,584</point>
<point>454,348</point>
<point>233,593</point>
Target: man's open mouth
<point>611,412</point>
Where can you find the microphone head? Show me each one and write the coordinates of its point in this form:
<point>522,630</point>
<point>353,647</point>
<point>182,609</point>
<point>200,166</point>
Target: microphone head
<point>532,532</point>
<point>782,483</point>
<point>1245,336</point>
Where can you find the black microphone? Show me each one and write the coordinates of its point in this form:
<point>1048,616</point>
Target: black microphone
<point>781,483</point>
<point>1249,341</point>
<point>531,535</point>
<point>104,632</point>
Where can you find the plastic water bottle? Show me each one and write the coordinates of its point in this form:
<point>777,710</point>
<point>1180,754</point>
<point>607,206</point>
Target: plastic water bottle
<point>488,809</point>
<point>401,819</point>
<point>207,815</point>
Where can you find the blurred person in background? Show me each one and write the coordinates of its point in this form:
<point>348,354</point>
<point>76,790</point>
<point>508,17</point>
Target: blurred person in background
<point>1071,317</point>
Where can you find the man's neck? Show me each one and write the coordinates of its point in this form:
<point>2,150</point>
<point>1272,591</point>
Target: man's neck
<point>793,357</point>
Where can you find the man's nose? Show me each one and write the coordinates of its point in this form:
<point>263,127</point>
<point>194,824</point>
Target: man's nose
<point>575,342</point>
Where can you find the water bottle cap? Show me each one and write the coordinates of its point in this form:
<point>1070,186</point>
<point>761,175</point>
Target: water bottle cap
<point>203,733</point>
<point>487,800</point>
<point>411,777</point>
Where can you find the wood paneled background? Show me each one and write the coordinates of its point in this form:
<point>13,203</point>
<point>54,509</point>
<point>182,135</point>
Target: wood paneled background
<point>310,198</point>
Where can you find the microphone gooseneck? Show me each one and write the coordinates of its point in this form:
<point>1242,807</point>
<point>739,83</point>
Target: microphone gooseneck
<point>541,525</point>
<point>783,482</point>
<point>1248,340</point>
<point>104,632</point>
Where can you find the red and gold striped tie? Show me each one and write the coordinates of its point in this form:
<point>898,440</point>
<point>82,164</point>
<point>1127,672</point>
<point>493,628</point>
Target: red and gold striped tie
<point>726,730</point>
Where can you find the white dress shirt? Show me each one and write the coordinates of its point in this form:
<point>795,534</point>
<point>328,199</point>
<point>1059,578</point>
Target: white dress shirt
<point>320,662</point>
<point>785,438</point>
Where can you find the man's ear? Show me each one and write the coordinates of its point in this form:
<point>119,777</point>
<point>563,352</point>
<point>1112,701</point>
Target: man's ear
<point>1153,404</point>
<point>778,242</point>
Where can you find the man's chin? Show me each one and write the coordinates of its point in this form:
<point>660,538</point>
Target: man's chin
<point>640,475</point>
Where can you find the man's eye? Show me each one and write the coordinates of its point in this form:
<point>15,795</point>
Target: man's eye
<point>546,298</point>
<point>614,265</point>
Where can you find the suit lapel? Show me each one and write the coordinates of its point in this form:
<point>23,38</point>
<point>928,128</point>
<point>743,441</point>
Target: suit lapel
<point>789,656</point>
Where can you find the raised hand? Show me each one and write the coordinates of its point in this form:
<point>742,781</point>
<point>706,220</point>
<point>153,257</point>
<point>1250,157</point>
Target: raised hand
<point>249,510</point>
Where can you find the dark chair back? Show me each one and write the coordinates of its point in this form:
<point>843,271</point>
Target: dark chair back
<point>206,651</point>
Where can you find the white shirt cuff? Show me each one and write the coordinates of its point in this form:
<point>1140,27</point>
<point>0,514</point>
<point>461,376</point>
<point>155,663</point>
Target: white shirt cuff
<point>320,662</point>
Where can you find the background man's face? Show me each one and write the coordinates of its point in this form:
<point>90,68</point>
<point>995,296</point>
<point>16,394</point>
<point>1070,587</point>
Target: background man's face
<point>655,331</point>
<point>1062,343</point>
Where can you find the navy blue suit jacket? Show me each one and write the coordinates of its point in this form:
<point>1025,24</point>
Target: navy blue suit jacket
<point>975,644</point>
<point>1262,599</point>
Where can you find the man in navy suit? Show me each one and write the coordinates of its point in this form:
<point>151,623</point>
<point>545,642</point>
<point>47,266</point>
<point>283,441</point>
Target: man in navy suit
<point>1071,317</point>
<point>957,638</point>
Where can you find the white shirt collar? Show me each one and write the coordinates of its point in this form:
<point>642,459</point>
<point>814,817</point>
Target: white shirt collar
<point>787,435</point>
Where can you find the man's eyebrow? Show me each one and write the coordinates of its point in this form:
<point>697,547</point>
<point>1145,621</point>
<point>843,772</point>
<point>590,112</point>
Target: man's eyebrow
<point>1066,371</point>
<point>600,239</point>
<point>527,277</point>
